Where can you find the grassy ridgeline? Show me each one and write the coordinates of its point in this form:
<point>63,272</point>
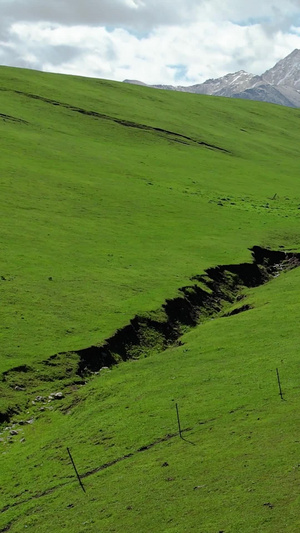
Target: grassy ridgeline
<point>101,220</point>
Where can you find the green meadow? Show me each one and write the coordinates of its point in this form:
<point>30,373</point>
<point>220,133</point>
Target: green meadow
<point>113,197</point>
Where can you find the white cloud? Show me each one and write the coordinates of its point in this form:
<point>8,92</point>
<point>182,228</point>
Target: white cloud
<point>134,14</point>
<point>156,41</point>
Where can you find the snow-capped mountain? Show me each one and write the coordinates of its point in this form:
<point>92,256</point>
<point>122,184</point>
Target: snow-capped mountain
<point>278,85</point>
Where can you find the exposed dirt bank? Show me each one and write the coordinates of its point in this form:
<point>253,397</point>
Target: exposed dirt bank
<point>207,296</point>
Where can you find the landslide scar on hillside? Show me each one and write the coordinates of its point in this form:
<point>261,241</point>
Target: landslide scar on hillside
<point>206,297</point>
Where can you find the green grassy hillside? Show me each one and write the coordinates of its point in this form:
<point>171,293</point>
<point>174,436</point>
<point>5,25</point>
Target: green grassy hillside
<point>118,216</point>
<point>113,197</point>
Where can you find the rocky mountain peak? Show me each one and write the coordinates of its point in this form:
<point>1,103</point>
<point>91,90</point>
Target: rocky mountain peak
<point>285,72</point>
<point>278,85</point>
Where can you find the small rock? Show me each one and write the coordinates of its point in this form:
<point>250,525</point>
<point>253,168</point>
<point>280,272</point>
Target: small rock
<point>19,388</point>
<point>58,396</point>
<point>13,432</point>
<point>30,421</point>
<point>40,399</point>
<point>22,440</point>
<point>165,464</point>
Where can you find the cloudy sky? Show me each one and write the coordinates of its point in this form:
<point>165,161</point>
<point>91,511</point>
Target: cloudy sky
<point>156,41</point>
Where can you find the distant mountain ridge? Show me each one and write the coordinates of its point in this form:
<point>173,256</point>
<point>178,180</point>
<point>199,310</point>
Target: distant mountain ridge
<point>278,85</point>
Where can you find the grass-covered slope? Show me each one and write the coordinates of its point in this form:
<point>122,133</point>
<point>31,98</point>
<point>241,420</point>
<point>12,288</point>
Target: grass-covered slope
<point>238,470</point>
<point>104,215</point>
<point>112,197</point>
